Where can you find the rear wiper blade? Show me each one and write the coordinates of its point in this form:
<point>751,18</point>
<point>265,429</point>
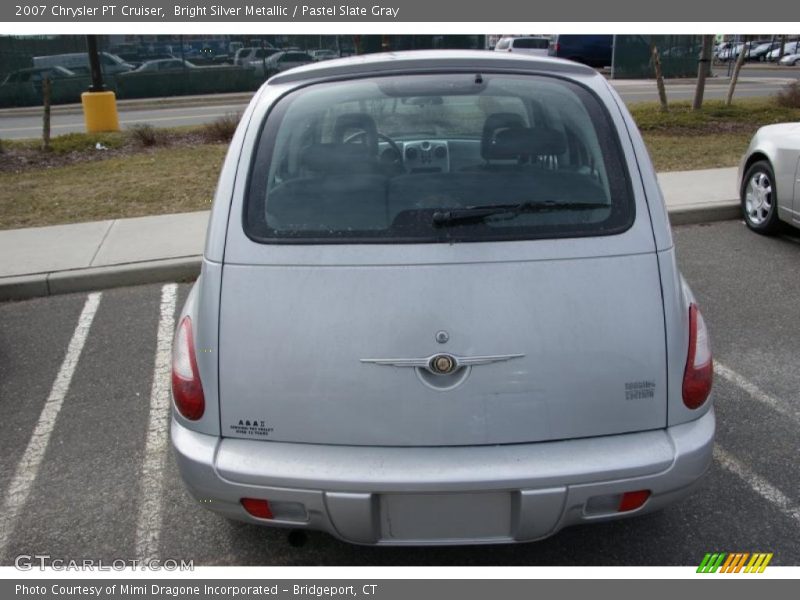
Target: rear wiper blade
<point>478,213</point>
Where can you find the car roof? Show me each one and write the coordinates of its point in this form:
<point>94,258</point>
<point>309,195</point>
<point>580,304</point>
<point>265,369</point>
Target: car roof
<point>421,60</point>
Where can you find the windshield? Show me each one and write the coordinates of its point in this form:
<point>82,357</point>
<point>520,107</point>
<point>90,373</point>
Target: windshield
<point>382,159</point>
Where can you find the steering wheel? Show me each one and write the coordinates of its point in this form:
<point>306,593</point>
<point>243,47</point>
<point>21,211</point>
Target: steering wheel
<point>397,163</point>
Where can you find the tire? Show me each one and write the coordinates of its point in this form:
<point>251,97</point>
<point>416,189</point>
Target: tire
<point>760,198</point>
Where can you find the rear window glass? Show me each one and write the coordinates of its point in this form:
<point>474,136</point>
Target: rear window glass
<point>437,158</point>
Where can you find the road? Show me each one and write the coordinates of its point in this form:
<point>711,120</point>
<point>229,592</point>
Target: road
<point>27,126</point>
<point>30,125</point>
<point>85,435</point>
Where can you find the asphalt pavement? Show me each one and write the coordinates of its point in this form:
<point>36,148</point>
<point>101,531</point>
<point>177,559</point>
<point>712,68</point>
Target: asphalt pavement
<point>85,496</point>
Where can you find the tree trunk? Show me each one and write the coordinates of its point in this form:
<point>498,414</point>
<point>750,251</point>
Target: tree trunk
<point>783,48</point>
<point>703,67</point>
<point>46,97</point>
<point>662,91</point>
<point>736,69</point>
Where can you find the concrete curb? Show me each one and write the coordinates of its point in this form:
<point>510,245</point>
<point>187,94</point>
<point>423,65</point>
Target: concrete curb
<point>705,213</point>
<point>95,278</point>
<point>188,267</point>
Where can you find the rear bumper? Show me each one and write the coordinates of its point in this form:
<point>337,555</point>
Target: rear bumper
<point>391,495</point>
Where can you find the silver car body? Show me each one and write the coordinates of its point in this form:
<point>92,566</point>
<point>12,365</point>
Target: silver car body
<point>316,361</point>
<point>780,146</point>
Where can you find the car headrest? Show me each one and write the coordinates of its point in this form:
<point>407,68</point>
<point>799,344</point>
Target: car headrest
<point>494,124</point>
<point>350,123</point>
<point>337,158</point>
<point>516,142</point>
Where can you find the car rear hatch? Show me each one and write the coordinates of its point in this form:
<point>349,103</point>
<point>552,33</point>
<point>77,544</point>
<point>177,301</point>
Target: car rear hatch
<point>345,285</point>
<point>587,335</point>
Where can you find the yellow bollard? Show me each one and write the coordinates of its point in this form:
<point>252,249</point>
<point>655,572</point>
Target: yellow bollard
<point>100,111</point>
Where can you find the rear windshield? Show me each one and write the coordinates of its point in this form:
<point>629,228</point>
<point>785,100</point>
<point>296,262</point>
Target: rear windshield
<point>437,158</point>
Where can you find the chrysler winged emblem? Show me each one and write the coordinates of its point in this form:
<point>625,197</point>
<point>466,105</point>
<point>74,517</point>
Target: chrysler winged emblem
<point>441,364</point>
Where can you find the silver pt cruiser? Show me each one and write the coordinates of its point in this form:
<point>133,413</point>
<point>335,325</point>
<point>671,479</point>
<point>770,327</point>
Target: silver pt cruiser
<point>439,304</point>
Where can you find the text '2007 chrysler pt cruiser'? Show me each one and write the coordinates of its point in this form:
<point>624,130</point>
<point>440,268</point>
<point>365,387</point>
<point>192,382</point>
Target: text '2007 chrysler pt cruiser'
<point>439,304</point>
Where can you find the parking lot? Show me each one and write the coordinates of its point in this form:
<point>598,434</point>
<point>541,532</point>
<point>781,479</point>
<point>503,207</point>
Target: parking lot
<point>86,470</point>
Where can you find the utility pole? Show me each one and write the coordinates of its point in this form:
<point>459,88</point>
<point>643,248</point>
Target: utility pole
<point>94,65</point>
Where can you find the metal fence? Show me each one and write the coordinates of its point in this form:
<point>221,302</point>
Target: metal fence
<point>23,88</point>
<point>678,55</point>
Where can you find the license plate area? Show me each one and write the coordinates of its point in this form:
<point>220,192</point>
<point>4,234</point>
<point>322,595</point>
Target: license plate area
<point>464,516</point>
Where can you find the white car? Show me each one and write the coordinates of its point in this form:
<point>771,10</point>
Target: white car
<point>768,178</point>
<point>790,59</point>
<point>536,45</point>
<point>788,48</point>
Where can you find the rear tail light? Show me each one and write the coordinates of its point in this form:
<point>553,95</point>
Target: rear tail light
<point>556,47</point>
<point>257,507</point>
<point>699,373</point>
<point>187,390</point>
<point>633,500</point>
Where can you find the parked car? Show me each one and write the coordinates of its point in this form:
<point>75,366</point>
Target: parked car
<point>36,75</point>
<point>260,60</point>
<point>244,56</point>
<point>439,327</point>
<point>281,61</point>
<point>768,189</point>
<point>319,55</point>
<point>523,45</point>
<point>592,50</point>
<point>761,51</point>
<point>788,48</point>
<point>790,59</point>
<point>165,64</point>
<point>78,62</point>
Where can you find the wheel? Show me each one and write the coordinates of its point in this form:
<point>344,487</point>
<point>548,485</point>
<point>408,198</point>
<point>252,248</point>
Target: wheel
<point>760,198</point>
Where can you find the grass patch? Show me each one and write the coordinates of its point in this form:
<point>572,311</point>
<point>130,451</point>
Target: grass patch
<point>74,142</point>
<point>715,117</point>
<point>165,180</point>
<point>671,152</point>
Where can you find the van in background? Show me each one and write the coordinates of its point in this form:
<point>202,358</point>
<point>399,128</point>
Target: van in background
<point>523,45</point>
<point>592,50</point>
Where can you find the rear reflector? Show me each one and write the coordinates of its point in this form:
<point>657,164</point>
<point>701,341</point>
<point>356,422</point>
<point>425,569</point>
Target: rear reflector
<point>187,390</point>
<point>257,507</point>
<point>699,374</point>
<point>633,500</point>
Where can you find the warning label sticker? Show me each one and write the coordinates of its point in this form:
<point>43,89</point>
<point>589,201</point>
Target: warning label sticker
<point>252,427</point>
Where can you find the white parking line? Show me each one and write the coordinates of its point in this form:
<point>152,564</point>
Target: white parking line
<point>148,529</point>
<point>25,474</point>
<point>756,392</point>
<point>758,484</point>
